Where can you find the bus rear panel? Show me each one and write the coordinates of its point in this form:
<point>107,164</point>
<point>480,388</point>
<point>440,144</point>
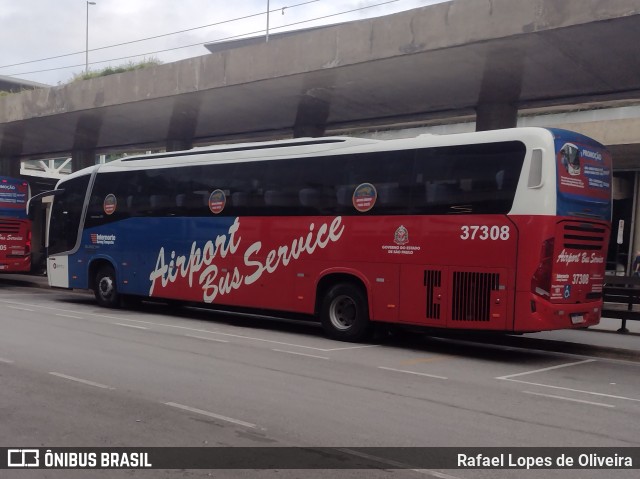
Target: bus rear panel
<point>15,228</point>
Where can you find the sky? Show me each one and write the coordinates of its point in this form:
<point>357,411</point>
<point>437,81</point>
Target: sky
<point>33,31</point>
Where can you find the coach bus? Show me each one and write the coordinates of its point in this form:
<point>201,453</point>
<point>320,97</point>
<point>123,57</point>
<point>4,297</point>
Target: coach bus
<point>15,227</point>
<point>504,230</point>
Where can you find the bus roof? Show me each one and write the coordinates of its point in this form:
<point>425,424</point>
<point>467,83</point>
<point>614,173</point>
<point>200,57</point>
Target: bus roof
<point>306,147</point>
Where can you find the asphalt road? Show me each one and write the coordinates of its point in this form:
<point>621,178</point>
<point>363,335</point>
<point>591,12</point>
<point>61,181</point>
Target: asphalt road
<point>73,374</point>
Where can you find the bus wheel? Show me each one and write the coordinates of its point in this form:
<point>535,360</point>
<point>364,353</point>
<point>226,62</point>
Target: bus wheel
<point>105,288</point>
<point>345,313</point>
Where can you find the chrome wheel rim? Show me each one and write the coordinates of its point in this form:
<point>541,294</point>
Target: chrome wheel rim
<point>343,312</point>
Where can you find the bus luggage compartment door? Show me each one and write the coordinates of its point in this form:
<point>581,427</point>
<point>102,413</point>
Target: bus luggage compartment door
<point>454,297</point>
<point>423,293</point>
<point>478,298</point>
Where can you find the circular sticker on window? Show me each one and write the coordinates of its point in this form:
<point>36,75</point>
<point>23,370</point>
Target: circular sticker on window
<point>364,197</point>
<point>109,205</point>
<point>217,201</point>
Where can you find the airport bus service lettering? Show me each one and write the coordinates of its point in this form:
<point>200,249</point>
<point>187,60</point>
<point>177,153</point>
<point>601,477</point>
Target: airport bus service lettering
<point>200,260</point>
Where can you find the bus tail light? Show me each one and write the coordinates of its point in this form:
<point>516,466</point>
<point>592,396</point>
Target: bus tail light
<point>27,245</point>
<point>541,280</point>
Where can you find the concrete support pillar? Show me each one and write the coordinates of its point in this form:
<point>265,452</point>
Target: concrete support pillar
<point>312,114</point>
<point>10,167</point>
<point>10,150</point>
<point>85,141</point>
<point>493,116</point>
<point>179,144</point>
<point>82,159</point>
<point>183,123</point>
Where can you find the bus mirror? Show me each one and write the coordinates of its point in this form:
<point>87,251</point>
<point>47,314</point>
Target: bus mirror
<point>39,197</point>
<point>535,170</point>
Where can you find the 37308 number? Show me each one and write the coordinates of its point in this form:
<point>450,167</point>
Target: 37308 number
<point>485,232</point>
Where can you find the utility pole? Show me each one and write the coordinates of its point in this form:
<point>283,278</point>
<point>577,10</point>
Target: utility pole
<point>86,65</point>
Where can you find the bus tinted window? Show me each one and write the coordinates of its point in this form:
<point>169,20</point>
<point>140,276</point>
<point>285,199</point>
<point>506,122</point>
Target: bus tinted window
<point>66,214</point>
<point>470,179</point>
<point>475,179</point>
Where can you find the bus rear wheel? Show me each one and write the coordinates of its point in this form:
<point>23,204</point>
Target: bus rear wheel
<point>345,313</point>
<point>105,288</point>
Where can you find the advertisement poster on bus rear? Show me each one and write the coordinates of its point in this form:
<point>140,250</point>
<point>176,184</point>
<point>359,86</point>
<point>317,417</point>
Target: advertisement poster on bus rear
<point>584,176</point>
<point>13,195</point>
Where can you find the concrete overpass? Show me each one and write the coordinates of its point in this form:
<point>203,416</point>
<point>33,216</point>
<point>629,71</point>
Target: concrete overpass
<point>484,58</point>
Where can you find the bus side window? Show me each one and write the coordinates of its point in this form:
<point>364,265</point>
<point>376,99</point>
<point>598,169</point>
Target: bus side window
<point>390,195</point>
<point>309,197</point>
<point>192,203</point>
<point>161,205</point>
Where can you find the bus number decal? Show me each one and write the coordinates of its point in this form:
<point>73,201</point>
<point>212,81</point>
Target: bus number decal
<point>484,232</point>
<point>580,279</point>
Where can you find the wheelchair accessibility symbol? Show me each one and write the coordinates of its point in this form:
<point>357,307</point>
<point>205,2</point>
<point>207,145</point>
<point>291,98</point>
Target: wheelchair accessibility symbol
<point>567,291</point>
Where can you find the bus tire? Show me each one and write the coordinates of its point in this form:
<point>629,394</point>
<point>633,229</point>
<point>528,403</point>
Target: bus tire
<point>345,313</point>
<point>105,289</point>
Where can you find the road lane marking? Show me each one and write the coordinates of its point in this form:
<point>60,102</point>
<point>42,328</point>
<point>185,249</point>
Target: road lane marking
<point>569,399</point>
<point>411,362</point>
<point>211,414</point>
<point>20,309</point>
<point>68,316</point>
<point>6,361</point>
<point>231,335</point>
<point>300,354</point>
<point>395,464</point>
<point>413,372</point>
<point>592,393</point>
<point>352,347</point>
<point>197,330</point>
<point>509,376</point>
<point>130,326</point>
<point>206,339</point>
<point>83,381</point>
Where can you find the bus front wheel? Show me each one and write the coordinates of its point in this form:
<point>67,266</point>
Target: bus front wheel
<point>105,288</point>
<point>345,313</point>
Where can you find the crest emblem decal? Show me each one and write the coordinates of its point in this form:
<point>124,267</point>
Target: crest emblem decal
<point>401,236</point>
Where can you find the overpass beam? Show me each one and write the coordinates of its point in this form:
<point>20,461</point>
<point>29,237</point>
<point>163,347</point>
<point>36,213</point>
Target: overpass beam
<point>493,116</point>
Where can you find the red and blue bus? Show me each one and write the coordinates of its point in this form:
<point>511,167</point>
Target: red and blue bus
<point>505,230</point>
<point>15,227</point>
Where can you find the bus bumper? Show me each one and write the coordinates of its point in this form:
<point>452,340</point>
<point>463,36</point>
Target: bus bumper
<point>534,313</point>
<point>15,265</point>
